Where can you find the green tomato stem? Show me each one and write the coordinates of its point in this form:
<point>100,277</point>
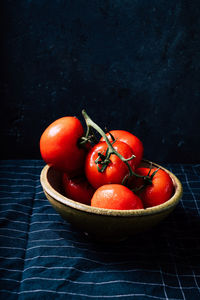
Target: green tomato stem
<point>91,124</point>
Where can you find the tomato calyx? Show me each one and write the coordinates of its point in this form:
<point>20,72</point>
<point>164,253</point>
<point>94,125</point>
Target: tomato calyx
<point>103,161</point>
<point>146,179</point>
<point>88,138</point>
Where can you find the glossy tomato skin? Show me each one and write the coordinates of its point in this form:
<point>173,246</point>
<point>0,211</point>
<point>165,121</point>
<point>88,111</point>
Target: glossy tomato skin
<point>59,145</point>
<point>159,191</point>
<point>78,188</point>
<point>115,196</point>
<point>134,142</point>
<point>115,171</point>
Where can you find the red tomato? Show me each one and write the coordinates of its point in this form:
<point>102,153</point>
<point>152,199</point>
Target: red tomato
<point>78,188</point>
<point>115,196</point>
<point>159,191</point>
<point>116,169</point>
<point>59,145</point>
<point>130,139</point>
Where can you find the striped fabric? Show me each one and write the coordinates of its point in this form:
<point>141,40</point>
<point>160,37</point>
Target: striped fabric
<point>43,257</point>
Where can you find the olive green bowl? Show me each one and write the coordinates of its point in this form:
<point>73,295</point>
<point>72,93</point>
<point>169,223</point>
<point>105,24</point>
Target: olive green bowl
<point>106,224</point>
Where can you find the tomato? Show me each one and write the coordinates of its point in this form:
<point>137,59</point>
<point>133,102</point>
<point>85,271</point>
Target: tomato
<point>115,196</point>
<point>59,144</point>
<point>134,142</point>
<point>116,169</point>
<point>159,191</point>
<point>78,188</point>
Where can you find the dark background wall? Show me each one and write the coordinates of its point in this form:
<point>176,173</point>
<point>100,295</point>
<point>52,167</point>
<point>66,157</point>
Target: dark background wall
<point>132,64</point>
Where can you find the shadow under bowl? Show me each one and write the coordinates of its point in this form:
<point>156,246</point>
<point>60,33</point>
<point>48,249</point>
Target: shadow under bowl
<point>106,224</point>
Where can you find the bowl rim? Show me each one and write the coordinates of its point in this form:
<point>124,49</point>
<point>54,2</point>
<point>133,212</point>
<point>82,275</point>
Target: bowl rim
<point>172,202</point>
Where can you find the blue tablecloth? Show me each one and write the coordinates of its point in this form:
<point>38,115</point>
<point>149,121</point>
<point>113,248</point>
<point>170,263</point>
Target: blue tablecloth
<point>44,257</point>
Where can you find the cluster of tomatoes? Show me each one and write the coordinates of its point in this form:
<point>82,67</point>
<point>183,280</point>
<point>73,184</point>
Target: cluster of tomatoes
<point>103,172</point>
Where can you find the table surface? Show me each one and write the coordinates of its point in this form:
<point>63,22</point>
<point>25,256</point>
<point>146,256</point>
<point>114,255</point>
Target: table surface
<point>43,256</point>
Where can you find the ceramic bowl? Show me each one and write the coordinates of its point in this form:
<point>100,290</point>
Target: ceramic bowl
<point>106,224</point>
